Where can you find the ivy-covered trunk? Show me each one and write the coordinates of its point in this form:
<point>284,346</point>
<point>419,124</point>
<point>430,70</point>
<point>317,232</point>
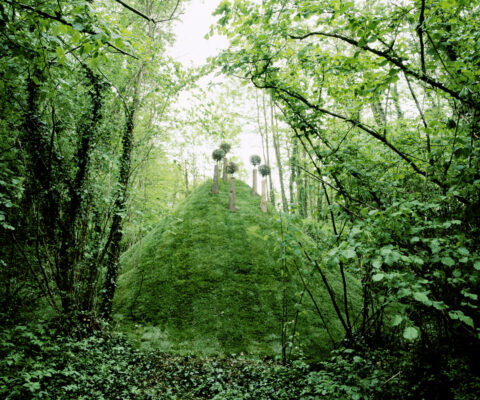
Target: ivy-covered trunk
<point>115,236</point>
<point>57,197</point>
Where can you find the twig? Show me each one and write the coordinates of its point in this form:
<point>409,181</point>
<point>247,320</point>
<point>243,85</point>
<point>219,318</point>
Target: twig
<point>392,377</point>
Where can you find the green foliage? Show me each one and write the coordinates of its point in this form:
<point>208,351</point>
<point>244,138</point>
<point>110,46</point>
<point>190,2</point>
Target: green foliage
<point>264,170</point>
<point>379,98</point>
<point>232,168</point>
<point>71,127</point>
<point>226,147</point>
<point>255,160</point>
<point>218,154</point>
<point>39,361</point>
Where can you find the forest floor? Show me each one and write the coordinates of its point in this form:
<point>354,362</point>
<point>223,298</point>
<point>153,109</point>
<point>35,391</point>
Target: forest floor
<point>39,362</point>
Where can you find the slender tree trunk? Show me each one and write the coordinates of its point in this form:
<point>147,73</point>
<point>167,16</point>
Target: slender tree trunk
<point>260,128</point>
<point>267,148</point>
<point>254,186</point>
<point>231,205</point>
<point>276,145</point>
<point>379,114</point>
<point>319,202</point>
<point>215,180</point>
<point>185,177</point>
<point>291,181</point>
<point>116,234</point>
<point>299,181</point>
<point>396,102</point>
<point>263,202</point>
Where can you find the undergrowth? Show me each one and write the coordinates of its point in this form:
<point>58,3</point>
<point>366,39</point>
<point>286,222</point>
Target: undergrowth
<point>39,362</point>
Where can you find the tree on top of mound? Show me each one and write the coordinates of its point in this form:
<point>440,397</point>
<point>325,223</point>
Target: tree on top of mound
<point>217,155</point>
<point>255,160</point>
<point>226,147</point>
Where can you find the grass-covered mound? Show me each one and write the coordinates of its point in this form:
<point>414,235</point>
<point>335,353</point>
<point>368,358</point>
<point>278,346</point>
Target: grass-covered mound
<point>209,281</point>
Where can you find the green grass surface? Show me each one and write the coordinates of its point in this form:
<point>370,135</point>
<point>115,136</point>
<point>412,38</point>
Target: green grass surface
<point>209,281</point>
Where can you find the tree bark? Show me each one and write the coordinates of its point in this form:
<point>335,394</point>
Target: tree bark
<point>224,172</point>
<point>291,181</point>
<point>231,205</point>
<point>185,177</point>
<point>396,102</point>
<point>254,186</point>
<point>276,146</point>
<point>116,233</point>
<point>215,180</point>
<point>379,114</point>
<point>113,245</point>
<point>263,202</point>
<point>267,150</point>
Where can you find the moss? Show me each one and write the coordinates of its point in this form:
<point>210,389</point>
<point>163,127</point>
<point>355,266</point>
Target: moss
<point>208,281</point>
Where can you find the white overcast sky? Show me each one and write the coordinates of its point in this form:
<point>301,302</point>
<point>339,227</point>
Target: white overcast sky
<point>192,50</point>
<point>191,47</point>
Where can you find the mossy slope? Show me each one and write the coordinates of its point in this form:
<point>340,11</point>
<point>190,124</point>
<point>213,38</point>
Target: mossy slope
<point>210,281</point>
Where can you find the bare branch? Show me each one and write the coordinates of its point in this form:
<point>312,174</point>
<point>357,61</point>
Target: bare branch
<point>171,14</point>
<point>421,21</point>
<point>135,11</point>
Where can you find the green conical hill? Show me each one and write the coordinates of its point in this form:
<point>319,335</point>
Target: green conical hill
<point>210,281</point>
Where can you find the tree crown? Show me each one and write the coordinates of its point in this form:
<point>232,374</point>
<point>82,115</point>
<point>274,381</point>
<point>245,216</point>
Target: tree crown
<point>218,154</point>
<point>232,167</point>
<point>264,170</point>
<point>255,160</point>
<point>226,147</point>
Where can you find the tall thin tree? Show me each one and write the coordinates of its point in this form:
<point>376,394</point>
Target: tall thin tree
<point>255,160</point>
<point>226,149</point>
<point>217,155</point>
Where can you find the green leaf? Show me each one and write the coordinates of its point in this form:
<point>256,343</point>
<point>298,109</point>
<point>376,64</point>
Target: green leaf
<point>60,52</point>
<point>397,320</point>
<point>459,315</point>
<point>377,263</point>
<point>378,277</point>
<point>421,297</point>
<point>476,265</point>
<point>448,261</point>
<point>77,26</point>
<point>410,333</point>
<point>435,246</point>
<point>349,253</point>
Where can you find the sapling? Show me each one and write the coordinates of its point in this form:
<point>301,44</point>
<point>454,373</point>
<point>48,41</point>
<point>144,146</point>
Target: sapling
<point>217,155</point>
<point>226,149</point>
<point>255,160</point>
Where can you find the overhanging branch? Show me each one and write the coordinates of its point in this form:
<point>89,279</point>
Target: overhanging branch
<point>395,61</point>
<point>59,18</point>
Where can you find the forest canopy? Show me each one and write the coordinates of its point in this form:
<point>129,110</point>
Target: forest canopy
<point>365,117</point>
